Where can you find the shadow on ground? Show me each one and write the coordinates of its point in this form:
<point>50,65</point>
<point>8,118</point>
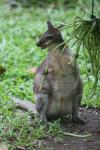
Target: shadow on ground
<point>92,117</point>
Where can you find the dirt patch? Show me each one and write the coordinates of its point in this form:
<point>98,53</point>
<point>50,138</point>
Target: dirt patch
<point>92,117</point>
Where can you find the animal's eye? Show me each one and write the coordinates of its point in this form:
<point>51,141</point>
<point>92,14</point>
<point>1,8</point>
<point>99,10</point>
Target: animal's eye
<point>49,36</point>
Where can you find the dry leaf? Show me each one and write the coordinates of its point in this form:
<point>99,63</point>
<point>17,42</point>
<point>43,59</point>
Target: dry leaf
<point>32,70</point>
<point>3,147</point>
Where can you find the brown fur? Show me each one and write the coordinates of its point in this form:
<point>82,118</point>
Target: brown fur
<point>62,90</point>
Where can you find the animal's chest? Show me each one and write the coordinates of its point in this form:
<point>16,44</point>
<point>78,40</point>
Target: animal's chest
<point>63,94</point>
<point>64,86</point>
<point>65,79</point>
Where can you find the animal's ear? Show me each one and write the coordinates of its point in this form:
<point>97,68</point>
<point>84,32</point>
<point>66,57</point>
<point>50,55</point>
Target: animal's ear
<point>50,26</point>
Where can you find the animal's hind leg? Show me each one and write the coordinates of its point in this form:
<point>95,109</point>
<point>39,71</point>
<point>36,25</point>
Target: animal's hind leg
<point>41,106</point>
<point>75,108</point>
<point>76,105</point>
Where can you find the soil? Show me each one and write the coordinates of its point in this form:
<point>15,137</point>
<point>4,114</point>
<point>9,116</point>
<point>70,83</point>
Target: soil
<point>92,118</point>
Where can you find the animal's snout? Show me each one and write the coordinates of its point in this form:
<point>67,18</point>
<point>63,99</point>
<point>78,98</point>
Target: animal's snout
<point>41,44</point>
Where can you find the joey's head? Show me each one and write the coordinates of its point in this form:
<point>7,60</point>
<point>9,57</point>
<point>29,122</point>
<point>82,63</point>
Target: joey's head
<point>51,36</point>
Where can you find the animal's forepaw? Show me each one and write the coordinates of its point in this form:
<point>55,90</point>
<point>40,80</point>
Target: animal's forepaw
<point>78,121</point>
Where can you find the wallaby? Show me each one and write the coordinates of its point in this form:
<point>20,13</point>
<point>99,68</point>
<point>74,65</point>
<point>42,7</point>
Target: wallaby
<point>62,90</point>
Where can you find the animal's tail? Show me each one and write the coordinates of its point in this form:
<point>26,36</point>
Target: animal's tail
<point>26,105</point>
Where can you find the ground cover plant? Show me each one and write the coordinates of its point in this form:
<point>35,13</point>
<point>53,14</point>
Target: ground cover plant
<point>19,31</point>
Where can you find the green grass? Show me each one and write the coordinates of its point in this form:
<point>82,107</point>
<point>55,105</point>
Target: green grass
<point>19,31</point>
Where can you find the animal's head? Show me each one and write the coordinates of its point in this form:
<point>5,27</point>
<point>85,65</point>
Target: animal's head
<point>51,36</point>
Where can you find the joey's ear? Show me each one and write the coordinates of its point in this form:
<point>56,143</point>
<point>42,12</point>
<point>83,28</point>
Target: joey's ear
<point>50,26</point>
